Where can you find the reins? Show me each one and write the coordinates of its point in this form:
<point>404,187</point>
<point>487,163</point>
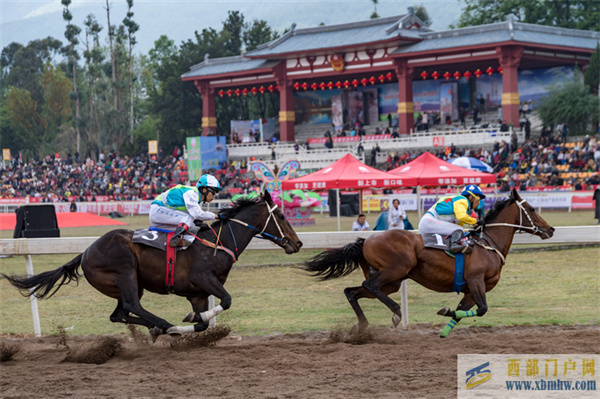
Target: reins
<point>261,233</point>
<point>534,229</point>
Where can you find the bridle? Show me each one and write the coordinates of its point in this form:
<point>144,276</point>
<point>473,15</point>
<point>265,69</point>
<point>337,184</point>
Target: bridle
<point>534,229</point>
<point>261,233</point>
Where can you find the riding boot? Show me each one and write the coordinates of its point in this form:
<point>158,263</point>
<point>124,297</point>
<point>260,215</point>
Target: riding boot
<point>177,240</point>
<point>457,244</point>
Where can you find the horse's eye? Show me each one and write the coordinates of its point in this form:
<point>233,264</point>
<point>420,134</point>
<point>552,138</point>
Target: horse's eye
<point>281,217</point>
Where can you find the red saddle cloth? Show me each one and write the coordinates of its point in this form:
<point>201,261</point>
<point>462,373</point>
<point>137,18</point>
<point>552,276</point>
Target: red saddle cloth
<point>170,267</point>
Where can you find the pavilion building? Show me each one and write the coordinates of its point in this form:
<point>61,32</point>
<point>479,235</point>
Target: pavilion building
<point>394,67</point>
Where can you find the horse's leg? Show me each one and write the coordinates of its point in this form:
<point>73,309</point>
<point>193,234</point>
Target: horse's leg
<point>384,278</point>
<point>199,305</point>
<point>465,304</point>
<point>120,316</point>
<point>355,293</point>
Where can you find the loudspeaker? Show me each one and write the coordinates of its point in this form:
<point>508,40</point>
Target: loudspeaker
<point>349,205</point>
<point>34,221</point>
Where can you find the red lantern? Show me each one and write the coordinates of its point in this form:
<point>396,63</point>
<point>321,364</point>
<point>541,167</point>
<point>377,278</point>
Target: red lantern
<point>229,92</point>
<point>253,90</point>
<point>389,76</point>
<point>245,91</point>
<point>478,73</point>
<point>364,81</point>
<point>447,75</point>
<point>372,80</point>
<point>456,75</point>
<point>297,86</point>
<point>314,86</point>
<point>330,85</point>
<point>500,69</point>
<point>424,75</point>
<point>221,92</point>
<point>238,92</point>
<point>346,84</point>
<point>489,71</point>
<point>435,75</point>
<point>305,86</point>
<point>277,87</point>
<point>355,83</point>
<point>338,84</point>
<point>271,88</point>
<point>467,74</point>
<point>381,78</point>
<point>322,85</point>
<point>261,90</point>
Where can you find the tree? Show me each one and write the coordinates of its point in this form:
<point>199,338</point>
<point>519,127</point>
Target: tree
<point>570,103</point>
<point>71,33</point>
<point>257,33</point>
<point>233,27</point>
<point>57,103</point>
<point>574,14</point>
<point>374,15</point>
<point>422,14</point>
<point>132,27</point>
<point>592,75</point>
<point>22,111</point>
<point>94,57</point>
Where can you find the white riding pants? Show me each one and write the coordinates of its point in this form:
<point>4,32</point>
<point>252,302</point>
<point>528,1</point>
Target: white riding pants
<point>429,224</point>
<point>167,218</point>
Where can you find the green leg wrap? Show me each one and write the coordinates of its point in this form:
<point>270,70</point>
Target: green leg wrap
<point>446,330</point>
<point>462,313</point>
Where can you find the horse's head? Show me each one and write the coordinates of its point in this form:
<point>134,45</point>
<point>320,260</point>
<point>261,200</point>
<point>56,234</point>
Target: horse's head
<point>278,228</point>
<point>529,219</point>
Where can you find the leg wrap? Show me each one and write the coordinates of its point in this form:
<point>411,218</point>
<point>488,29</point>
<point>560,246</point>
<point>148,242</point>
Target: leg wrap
<point>459,314</point>
<point>446,330</point>
<point>209,314</point>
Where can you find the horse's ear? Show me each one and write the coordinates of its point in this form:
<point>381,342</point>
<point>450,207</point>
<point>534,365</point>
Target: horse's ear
<point>267,196</point>
<point>514,194</point>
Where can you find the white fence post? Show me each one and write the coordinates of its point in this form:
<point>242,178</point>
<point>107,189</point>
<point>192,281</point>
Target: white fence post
<point>33,300</point>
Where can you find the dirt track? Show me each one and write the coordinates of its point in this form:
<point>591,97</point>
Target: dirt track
<point>387,363</point>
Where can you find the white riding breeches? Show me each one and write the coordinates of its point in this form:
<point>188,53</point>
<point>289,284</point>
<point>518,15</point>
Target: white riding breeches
<point>429,224</point>
<point>167,218</point>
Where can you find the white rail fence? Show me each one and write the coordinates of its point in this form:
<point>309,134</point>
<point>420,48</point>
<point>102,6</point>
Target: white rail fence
<point>74,245</point>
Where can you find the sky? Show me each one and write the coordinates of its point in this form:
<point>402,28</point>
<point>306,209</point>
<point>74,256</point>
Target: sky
<point>25,20</point>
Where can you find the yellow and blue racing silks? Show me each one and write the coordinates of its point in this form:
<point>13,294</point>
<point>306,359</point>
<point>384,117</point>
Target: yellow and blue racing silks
<point>455,209</point>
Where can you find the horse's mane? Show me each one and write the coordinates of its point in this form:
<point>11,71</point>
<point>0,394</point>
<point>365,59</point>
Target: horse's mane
<point>498,206</point>
<point>241,202</point>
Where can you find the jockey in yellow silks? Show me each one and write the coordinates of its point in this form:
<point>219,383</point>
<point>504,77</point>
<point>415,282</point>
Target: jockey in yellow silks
<point>450,214</point>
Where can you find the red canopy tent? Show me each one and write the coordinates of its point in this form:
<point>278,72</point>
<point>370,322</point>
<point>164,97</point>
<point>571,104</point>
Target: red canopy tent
<point>347,172</point>
<point>429,170</point>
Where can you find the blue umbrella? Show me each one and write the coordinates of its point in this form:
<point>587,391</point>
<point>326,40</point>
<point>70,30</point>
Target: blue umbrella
<point>472,163</point>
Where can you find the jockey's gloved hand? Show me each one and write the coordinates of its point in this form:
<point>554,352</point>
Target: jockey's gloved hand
<point>220,217</point>
<point>480,223</point>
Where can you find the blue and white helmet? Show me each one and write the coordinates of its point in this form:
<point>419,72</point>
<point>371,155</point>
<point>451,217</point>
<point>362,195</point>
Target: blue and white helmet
<point>209,182</point>
<point>472,189</point>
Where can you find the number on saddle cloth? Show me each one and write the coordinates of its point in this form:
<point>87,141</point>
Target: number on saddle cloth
<point>155,237</point>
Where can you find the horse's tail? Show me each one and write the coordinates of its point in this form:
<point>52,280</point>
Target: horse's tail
<point>41,284</point>
<point>335,263</point>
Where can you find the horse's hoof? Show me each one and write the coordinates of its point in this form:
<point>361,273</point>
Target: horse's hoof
<point>354,330</point>
<point>201,326</point>
<point>443,311</point>
<point>189,317</point>
<point>174,332</point>
<point>154,333</point>
<point>396,320</point>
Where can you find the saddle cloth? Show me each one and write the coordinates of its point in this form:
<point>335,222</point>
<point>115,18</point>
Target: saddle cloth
<point>155,238</point>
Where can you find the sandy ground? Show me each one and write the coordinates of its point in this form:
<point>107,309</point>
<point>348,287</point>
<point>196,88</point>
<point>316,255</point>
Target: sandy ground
<point>384,363</point>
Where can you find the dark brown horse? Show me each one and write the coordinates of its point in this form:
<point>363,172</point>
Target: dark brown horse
<point>390,257</point>
<point>122,270</point>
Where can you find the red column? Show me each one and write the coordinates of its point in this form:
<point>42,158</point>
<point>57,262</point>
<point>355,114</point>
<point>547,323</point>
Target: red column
<point>406,108</point>
<point>287,115</point>
<point>209,116</point>
<point>510,58</point>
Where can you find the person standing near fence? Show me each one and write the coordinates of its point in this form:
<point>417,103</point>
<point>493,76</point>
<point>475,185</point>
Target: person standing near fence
<point>396,216</point>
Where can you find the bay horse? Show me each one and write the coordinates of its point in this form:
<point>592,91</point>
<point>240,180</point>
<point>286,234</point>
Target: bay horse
<point>389,257</point>
<point>122,270</point>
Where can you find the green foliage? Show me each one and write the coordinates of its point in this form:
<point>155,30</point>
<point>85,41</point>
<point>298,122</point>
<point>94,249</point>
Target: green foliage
<point>257,33</point>
<point>574,14</point>
<point>570,103</point>
<point>422,14</point>
<point>592,75</point>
